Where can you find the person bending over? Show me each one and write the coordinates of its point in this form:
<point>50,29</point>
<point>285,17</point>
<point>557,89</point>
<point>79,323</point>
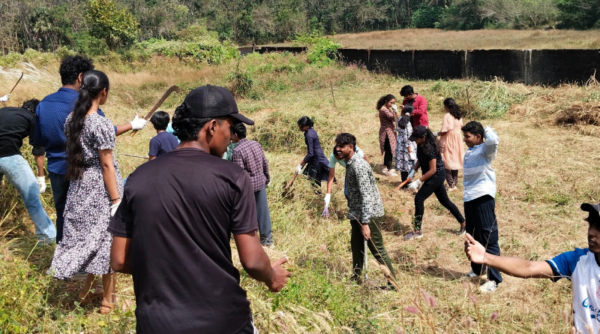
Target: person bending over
<point>172,232</point>
<point>317,165</point>
<point>581,266</point>
<point>163,142</point>
<point>432,180</point>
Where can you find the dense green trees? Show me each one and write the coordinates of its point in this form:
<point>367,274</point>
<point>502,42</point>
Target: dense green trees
<point>95,26</point>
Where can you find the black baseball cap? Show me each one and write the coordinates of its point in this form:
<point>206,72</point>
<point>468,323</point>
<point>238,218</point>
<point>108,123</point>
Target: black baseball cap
<point>213,102</point>
<point>418,132</point>
<point>591,208</point>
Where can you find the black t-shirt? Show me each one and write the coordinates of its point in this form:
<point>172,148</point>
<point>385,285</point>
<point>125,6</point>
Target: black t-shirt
<point>15,125</point>
<point>180,211</point>
<point>425,158</point>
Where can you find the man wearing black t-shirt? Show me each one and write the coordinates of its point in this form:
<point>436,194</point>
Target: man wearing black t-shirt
<point>172,231</point>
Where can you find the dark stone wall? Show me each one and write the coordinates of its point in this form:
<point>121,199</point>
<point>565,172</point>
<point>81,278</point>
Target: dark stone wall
<point>546,67</point>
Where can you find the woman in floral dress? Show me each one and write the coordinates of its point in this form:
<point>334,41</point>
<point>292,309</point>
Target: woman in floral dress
<point>406,150</point>
<point>386,105</point>
<point>94,193</point>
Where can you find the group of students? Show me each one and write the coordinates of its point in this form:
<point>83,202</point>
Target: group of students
<point>172,233</point>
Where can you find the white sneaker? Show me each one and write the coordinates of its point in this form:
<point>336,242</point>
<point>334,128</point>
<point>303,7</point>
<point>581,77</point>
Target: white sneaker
<point>391,172</point>
<point>471,274</point>
<point>384,170</point>
<point>488,286</point>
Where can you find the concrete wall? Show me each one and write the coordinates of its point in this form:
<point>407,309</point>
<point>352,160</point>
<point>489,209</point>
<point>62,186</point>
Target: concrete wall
<point>546,67</point>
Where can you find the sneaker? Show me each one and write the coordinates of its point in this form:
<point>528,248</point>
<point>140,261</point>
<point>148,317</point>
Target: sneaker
<point>488,286</point>
<point>463,230</point>
<point>45,242</point>
<point>471,274</point>
<point>384,170</point>
<point>413,235</point>
<point>391,172</point>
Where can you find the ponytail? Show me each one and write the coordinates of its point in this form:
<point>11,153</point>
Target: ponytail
<point>92,83</point>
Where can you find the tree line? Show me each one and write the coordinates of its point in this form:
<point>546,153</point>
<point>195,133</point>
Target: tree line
<point>91,26</point>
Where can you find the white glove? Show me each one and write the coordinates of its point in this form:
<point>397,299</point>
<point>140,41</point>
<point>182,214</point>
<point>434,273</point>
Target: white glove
<point>4,98</point>
<point>435,134</point>
<point>41,180</point>
<point>114,207</point>
<point>411,174</point>
<point>299,169</point>
<point>138,123</point>
<point>487,128</point>
<point>395,108</point>
<point>414,185</point>
<point>327,200</point>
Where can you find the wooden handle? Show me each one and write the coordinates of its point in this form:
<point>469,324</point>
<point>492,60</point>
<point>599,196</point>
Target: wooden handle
<point>133,133</point>
<point>291,181</point>
<point>402,184</point>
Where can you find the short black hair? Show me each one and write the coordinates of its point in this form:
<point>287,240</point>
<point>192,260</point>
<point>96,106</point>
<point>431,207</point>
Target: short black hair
<point>346,139</point>
<point>306,121</point>
<point>407,90</point>
<point>239,129</point>
<point>72,66</point>
<point>474,128</point>
<point>31,105</point>
<point>186,127</point>
<point>160,120</point>
<point>594,220</point>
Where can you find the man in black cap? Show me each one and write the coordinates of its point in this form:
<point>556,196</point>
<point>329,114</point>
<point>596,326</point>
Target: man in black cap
<point>172,231</point>
<point>581,266</point>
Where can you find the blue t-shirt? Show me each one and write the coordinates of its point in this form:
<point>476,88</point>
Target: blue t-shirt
<point>563,265</point>
<point>162,144</point>
<point>50,117</point>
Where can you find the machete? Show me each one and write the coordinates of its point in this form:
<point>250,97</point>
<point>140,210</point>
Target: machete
<point>158,104</point>
<point>15,86</point>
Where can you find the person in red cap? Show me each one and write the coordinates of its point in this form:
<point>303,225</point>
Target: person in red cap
<point>172,230</point>
<point>581,266</point>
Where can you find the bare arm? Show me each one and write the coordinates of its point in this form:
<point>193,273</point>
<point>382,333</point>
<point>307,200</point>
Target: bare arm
<point>119,255</point>
<point>509,265</point>
<point>121,129</point>
<point>431,172</point>
<point>257,263</point>
<point>330,179</point>
<point>151,157</point>
<point>39,161</point>
<point>109,174</point>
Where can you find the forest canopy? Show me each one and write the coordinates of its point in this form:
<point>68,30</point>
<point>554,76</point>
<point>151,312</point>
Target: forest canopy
<point>94,26</point>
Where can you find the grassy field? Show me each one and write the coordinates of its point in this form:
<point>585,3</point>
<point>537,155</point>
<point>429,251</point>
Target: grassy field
<point>434,39</point>
<point>544,172</point>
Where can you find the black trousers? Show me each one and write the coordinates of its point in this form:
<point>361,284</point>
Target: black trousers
<point>388,156</point>
<point>435,185</point>
<point>483,226</point>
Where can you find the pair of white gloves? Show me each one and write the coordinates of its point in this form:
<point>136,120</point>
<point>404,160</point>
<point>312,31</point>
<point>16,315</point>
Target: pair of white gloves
<point>5,98</point>
<point>138,123</point>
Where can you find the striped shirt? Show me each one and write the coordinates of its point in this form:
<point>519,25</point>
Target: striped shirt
<point>479,176</point>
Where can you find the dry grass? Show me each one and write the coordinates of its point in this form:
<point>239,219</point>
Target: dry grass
<point>434,39</point>
<point>542,178</point>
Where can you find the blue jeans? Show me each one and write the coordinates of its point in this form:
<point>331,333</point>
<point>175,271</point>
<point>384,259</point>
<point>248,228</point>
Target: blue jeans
<point>18,172</point>
<point>60,187</point>
<point>264,217</point>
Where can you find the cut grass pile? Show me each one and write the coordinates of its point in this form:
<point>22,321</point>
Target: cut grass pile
<point>544,172</point>
<point>435,39</point>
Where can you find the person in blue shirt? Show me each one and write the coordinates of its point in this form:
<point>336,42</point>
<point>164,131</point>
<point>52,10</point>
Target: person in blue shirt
<point>317,165</point>
<point>479,197</point>
<point>163,142</point>
<point>50,118</point>
<point>581,266</point>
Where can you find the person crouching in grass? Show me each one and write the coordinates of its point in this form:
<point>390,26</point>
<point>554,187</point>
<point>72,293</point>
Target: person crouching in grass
<point>365,207</point>
<point>581,266</point>
<point>480,190</point>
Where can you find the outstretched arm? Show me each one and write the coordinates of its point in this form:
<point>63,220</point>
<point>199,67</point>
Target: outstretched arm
<point>509,265</point>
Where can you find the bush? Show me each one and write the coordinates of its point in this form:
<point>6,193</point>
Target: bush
<point>116,26</point>
<point>427,17</point>
<point>322,50</point>
<point>241,83</point>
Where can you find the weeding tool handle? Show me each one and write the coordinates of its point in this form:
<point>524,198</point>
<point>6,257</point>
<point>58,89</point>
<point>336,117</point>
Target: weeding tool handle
<point>402,184</point>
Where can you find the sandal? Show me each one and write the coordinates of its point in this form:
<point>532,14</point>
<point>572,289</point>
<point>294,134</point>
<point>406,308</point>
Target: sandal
<point>90,297</point>
<point>106,307</point>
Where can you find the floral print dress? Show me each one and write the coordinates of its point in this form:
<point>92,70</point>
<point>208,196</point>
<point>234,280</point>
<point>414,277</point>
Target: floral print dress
<point>403,160</point>
<point>86,242</point>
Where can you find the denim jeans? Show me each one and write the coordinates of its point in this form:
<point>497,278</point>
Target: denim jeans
<point>264,217</point>
<point>18,172</point>
<point>60,187</point>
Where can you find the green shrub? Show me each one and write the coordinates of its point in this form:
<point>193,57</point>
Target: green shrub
<point>116,26</point>
<point>322,50</point>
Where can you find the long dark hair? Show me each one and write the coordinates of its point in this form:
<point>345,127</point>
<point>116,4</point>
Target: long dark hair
<point>431,145</point>
<point>453,107</point>
<point>92,83</point>
<point>384,100</point>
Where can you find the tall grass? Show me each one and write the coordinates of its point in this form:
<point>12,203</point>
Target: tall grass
<point>542,178</point>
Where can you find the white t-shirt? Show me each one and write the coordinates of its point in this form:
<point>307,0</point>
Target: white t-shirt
<point>581,268</point>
